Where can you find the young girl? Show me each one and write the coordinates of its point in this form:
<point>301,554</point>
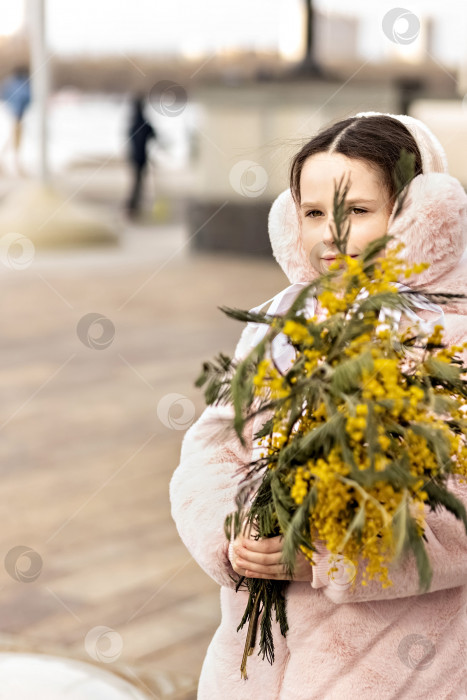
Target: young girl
<point>364,642</point>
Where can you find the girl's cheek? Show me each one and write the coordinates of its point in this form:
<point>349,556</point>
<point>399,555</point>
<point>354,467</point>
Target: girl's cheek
<point>311,236</point>
<point>362,232</point>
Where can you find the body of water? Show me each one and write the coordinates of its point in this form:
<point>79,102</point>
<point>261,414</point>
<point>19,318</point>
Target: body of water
<point>86,127</point>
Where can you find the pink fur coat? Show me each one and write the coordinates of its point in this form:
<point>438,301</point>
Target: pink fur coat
<point>368,643</point>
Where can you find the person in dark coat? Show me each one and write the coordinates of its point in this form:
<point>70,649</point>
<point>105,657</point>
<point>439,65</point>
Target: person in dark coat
<point>139,133</point>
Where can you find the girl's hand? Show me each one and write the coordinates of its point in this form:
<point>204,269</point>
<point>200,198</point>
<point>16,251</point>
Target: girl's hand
<point>262,559</point>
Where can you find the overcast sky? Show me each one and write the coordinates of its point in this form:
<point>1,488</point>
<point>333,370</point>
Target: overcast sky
<point>197,27</point>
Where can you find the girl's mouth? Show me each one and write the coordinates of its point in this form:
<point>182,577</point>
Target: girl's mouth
<point>330,258</point>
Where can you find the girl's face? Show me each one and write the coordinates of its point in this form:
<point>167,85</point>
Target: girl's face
<point>368,205</point>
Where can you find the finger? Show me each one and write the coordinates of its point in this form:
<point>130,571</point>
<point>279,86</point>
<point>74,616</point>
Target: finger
<point>240,570</point>
<point>266,570</point>
<point>248,557</point>
<point>271,576</point>
<point>233,558</point>
<point>267,545</point>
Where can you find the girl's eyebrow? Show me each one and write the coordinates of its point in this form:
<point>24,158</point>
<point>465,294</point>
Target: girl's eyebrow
<point>349,202</point>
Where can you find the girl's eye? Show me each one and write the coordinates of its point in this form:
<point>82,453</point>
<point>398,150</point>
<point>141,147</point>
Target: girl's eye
<point>314,213</point>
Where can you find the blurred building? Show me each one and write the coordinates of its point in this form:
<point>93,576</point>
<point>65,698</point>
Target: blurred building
<point>336,38</point>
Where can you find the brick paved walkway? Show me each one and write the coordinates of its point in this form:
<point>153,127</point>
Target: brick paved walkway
<point>86,461</point>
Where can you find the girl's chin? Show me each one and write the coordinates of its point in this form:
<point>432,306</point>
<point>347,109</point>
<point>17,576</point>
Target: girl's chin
<point>324,264</point>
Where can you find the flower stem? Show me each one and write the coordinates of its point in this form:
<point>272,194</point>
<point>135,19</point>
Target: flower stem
<point>251,636</point>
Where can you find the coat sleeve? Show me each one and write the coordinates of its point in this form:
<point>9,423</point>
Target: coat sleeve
<point>204,485</point>
<point>446,546</point>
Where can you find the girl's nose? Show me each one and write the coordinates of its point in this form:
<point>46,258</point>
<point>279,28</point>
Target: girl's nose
<point>328,237</point>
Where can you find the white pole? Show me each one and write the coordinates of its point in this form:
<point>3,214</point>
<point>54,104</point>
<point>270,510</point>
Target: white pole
<point>39,72</point>
<point>462,65</point>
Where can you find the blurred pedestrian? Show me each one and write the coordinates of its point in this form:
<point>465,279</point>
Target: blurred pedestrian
<point>139,133</point>
<point>16,93</point>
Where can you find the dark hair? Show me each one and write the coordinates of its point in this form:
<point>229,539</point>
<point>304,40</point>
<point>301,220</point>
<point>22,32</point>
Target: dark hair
<point>377,140</point>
